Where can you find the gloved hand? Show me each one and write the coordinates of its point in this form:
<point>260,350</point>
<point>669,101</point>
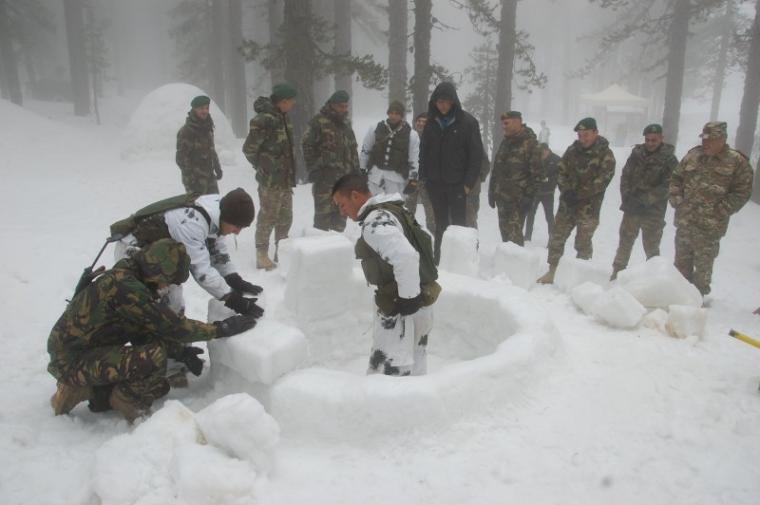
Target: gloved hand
<point>363,171</point>
<point>234,325</point>
<point>217,168</point>
<point>218,173</point>
<point>408,306</point>
<point>411,187</point>
<point>238,284</point>
<point>191,360</point>
<point>88,275</point>
<point>243,305</point>
<point>570,198</point>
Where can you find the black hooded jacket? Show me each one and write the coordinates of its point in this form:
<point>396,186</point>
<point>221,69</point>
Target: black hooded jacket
<point>450,155</point>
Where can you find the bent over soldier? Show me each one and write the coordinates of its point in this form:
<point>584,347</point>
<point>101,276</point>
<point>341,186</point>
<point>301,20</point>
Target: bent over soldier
<point>585,171</point>
<point>196,154</point>
<point>111,344</point>
<point>330,151</point>
<point>710,183</point>
<point>269,148</point>
<point>644,194</point>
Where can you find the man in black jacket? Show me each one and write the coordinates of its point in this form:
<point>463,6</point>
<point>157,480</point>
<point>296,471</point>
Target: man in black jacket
<point>450,157</point>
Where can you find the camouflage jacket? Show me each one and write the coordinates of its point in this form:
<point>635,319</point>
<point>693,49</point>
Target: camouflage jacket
<point>549,182</point>
<point>517,170</point>
<point>645,179</point>
<point>329,147</point>
<point>706,190</point>
<point>587,172</point>
<point>116,309</point>
<point>269,146</point>
<point>196,155</point>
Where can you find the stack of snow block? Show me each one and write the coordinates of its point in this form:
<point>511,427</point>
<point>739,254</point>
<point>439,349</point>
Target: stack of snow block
<point>459,251</point>
<point>659,284</point>
<point>521,265</point>
<point>573,272</point>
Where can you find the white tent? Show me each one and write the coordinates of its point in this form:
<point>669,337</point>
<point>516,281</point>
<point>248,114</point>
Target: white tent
<point>620,114</point>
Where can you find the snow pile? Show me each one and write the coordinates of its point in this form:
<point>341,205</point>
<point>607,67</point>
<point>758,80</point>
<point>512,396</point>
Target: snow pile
<point>522,265</point>
<point>176,454</point>
<point>586,295</point>
<point>152,129</point>
<point>657,283</point>
<point>459,251</point>
<point>618,308</point>
<point>572,272</point>
<point>686,321</point>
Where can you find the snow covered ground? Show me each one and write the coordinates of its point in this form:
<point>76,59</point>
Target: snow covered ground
<point>529,400</point>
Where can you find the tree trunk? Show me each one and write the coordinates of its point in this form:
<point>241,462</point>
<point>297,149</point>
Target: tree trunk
<point>80,88</point>
<point>745,133</point>
<point>342,17</point>
<point>217,47</point>
<point>423,26</point>
<point>720,69</point>
<point>274,11</point>
<point>679,32</point>
<point>237,99</point>
<point>9,76</point>
<point>507,40</point>
<point>397,32</point>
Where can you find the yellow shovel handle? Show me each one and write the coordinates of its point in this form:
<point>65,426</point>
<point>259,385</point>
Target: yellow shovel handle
<point>745,338</point>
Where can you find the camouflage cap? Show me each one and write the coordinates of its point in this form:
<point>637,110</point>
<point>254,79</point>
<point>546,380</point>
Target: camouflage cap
<point>397,107</point>
<point>339,96</point>
<point>652,128</point>
<point>163,262</point>
<point>587,123</point>
<point>284,90</point>
<point>200,100</point>
<point>715,130</point>
<point>513,114</point>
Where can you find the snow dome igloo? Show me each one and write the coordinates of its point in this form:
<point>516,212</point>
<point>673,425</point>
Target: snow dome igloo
<point>306,360</point>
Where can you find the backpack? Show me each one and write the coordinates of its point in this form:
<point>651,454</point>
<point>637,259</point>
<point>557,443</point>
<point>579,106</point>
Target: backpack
<point>127,225</point>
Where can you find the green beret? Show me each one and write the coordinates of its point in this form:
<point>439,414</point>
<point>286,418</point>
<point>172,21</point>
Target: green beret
<point>512,114</point>
<point>339,96</point>
<point>284,90</point>
<point>397,107</point>
<point>653,128</point>
<point>587,123</point>
<point>199,101</point>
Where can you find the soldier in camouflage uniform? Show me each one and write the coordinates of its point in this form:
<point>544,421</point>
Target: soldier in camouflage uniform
<point>196,155</point>
<point>644,194</point>
<point>330,152</point>
<point>516,176</point>
<point>545,194</point>
<point>111,344</point>
<point>416,189</point>
<point>710,183</point>
<point>586,169</point>
<point>269,148</point>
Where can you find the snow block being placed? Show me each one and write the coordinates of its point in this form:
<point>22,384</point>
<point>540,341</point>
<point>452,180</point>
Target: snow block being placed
<point>586,295</point>
<point>573,272</point>
<point>459,251</point>
<point>659,284</point>
<point>521,264</point>
<point>686,321</point>
<point>619,308</point>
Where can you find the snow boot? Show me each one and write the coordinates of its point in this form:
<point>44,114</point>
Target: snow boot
<point>262,260</point>
<point>615,271</point>
<point>127,407</point>
<point>66,397</point>
<point>548,277</point>
<point>177,378</point>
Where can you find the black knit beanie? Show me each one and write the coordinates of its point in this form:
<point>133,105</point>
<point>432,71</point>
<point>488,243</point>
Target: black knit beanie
<point>237,208</point>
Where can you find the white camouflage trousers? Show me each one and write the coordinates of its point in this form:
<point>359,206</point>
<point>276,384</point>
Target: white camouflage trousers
<point>385,181</point>
<point>399,343</point>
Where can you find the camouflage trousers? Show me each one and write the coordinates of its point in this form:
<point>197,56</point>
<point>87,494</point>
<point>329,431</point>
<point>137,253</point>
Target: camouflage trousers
<point>422,196</point>
<point>472,206</point>
<point>200,183</point>
<point>399,343</point>
<point>326,213</point>
<point>511,219</point>
<point>547,202</point>
<point>139,371</point>
<point>584,218</point>
<point>651,227</point>
<point>275,212</point>
<point>696,251</point>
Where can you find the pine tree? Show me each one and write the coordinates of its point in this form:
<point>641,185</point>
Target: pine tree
<point>481,101</point>
<point>75,36</point>
<point>397,49</point>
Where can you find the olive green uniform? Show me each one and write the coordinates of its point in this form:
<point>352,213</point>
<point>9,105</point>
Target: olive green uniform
<point>196,155</point>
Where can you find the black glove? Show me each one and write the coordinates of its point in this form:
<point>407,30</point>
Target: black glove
<point>411,188</point>
<point>191,360</point>
<point>88,275</point>
<point>238,284</point>
<point>408,306</point>
<point>570,198</point>
<point>217,169</point>
<point>234,325</point>
<point>491,200</point>
<point>243,305</point>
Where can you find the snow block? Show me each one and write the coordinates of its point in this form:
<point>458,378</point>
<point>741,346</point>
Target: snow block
<point>572,272</point>
<point>239,425</point>
<point>459,251</point>
<point>522,265</point>
<point>204,475</point>
<point>317,264</point>
<point>658,284</point>
<point>686,321</point>
<point>656,320</point>
<point>261,354</point>
<point>586,295</point>
<point>618,308</point>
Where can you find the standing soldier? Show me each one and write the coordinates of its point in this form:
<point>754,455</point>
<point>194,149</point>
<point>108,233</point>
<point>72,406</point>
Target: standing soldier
<point>416,189</point>
<point>644,193</point>
<point>712,182</point>
<point>196,155</point>
<point>516,176</point>
<point>390,153</point>
<point>329,150</point>
<point>585,171</point>
<point>545,194</point>
<point>544,133</point>
<point>269,148</point>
